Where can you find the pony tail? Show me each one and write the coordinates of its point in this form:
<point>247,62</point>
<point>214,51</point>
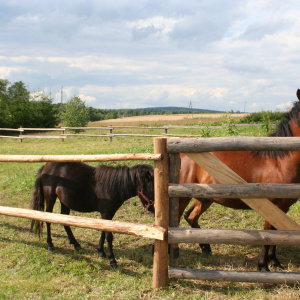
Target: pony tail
<point>37,203</point>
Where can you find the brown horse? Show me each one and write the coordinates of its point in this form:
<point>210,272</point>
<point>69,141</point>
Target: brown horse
<point>254,167</point>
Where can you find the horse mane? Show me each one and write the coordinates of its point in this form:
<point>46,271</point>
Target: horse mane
<point>116,182</point>
<point>283,129</point>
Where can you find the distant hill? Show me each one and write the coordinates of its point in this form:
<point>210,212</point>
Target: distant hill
<point>175,108</point>
<point>97,114</point>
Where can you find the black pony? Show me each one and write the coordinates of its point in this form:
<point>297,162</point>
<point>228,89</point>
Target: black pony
<point>85,188</point>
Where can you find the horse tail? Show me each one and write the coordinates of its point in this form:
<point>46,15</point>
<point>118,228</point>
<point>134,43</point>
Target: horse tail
<point>37,202</point>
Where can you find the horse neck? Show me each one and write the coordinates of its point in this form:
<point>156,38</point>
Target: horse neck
<point>134,182</point>
<point>128,186</point>
<point>295,129</point>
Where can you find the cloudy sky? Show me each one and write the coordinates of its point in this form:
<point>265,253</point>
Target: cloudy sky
<point>221,55</point>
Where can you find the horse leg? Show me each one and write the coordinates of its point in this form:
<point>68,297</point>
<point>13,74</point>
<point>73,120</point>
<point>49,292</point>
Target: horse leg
<point>285,205</point>
<point>49,239</point>
<point>268,254</point>
<point>66,211</point>
<point>50,201</point>
<point>110,253</point>
<point>109,237</point>
<point>192,216</point>
<point>263,259</point>
<point>273,259</point>
<point>101,245</point>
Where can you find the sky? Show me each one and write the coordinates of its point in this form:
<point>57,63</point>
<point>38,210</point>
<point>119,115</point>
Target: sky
<point>240,55</point>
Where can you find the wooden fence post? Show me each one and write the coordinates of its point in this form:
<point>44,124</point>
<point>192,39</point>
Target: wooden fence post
<point>110,132</point>
<point>161,175</point>
<point>20,135</point>
<point>174,162</point>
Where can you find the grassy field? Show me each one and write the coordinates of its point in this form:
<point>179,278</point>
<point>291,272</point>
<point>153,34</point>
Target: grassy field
<point>30,271</point>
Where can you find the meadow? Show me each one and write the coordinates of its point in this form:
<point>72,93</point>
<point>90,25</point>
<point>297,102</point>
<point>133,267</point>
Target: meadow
<point>30,271</point>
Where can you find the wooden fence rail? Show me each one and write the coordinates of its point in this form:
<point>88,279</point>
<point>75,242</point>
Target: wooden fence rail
<point>142,230</point>
<point>234,276</point>
<point>234,236</point>
<point>192,145</point>
<point>249,190</point>
<point>81,158</point>
<point>111,128</point>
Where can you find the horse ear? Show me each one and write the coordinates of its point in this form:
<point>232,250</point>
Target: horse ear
<point>298,94</point>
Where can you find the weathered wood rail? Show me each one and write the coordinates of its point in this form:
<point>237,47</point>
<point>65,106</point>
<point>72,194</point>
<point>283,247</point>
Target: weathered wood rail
<point>142,230</point>
<point>81,158</point>
<point>111,133</point>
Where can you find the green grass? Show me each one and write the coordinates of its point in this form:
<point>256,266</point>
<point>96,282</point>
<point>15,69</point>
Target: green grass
<point>30,271</point>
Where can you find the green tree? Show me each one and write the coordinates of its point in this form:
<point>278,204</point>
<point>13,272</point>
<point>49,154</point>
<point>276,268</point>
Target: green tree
<point>5,117</point>
<point>76,113</point>
<point>19,105</point>
<point>44,112</point>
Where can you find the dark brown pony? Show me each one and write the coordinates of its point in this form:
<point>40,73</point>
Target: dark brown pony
<point>254,167</point>
<point>84,188</point>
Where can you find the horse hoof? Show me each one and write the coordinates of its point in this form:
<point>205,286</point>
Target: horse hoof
<point>77,247</point>
<point>50,248</point>
<point>206,253</point>
<point>263,269</point>
<point>278,267</point>
<point>102,255</point>
<point>114,265</point>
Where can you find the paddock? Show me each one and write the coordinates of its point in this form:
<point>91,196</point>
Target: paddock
<point>166,167</point>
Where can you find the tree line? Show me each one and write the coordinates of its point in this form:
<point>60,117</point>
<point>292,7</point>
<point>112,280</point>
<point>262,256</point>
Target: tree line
<point>20,107</point>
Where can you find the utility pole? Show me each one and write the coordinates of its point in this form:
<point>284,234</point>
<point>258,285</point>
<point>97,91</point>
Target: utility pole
<point>190,107</point>
<point>245,106</point>
<point>61,103</point>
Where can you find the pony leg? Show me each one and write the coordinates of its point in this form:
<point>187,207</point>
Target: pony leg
<point>109,237</point>
<point>110,253</point>
<point>49,208</point>
<point>101,245</point>
<point>192,216</point>
<point>66,211</point>
<point>49,239</point>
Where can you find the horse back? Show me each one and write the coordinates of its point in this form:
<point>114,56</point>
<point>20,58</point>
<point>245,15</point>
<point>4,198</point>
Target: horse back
<point>72,183</point>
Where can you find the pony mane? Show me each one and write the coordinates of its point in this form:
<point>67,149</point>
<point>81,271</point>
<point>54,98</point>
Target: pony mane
<point>283,129</point>
<point>116,182</point>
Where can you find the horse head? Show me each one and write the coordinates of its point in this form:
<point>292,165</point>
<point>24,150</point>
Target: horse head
<point>146,186</point>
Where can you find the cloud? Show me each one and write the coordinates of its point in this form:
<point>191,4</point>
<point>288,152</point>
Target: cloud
<point>284,106</point>
<point>219,55</point>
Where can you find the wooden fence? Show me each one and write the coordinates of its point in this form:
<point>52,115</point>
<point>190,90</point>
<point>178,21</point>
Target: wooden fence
<point>111,129</point>
<point>235,187</point>
<point>166,172</point>
<point>158,231</point>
